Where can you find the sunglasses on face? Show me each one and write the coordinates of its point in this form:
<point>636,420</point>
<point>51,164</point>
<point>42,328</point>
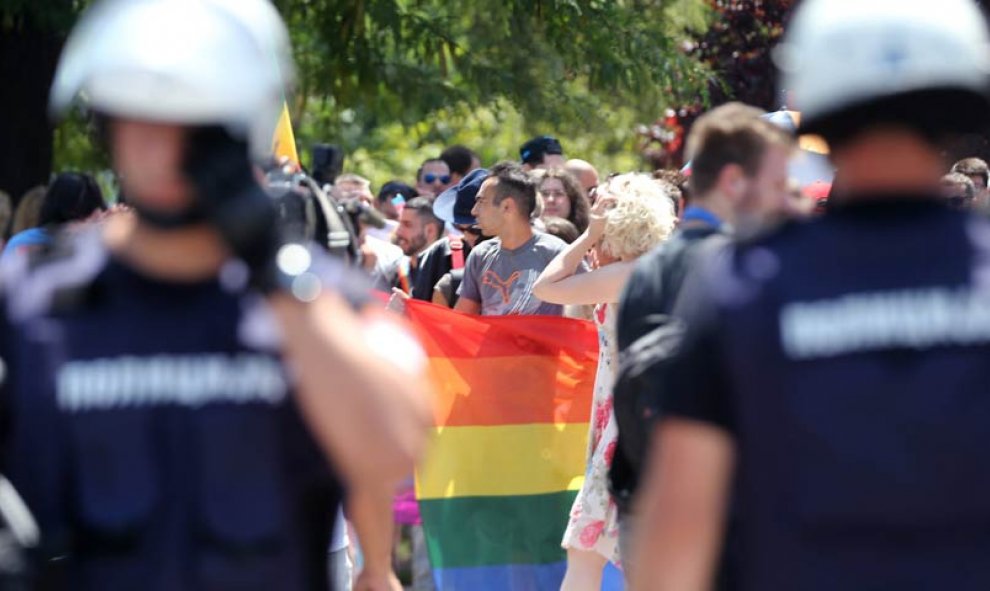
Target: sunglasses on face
<point>468,229</point>
<point>430,178</point>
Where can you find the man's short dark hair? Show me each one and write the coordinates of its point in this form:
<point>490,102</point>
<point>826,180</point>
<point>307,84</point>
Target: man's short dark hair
<point>973,167</point>
<point>675,183</point>
<point>731,134</point>
<point>423,207</point>
<point>516,184</point>
<point>419,172</point>
<point>458,159</point>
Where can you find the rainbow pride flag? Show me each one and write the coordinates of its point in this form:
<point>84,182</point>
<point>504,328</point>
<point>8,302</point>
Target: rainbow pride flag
<point>509,447</point>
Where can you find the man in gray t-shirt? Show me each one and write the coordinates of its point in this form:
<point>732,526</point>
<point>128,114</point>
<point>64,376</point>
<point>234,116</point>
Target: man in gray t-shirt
<point>500,273</point>
<point>502,279</point>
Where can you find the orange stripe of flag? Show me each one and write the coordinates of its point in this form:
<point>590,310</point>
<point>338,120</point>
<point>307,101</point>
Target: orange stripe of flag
<point>506,370</point>
<point>511,390</point>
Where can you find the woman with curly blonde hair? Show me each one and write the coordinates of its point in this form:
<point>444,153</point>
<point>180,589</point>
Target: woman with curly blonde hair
<point>631,216</point>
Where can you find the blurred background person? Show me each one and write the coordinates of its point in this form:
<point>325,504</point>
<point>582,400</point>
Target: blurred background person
<point>675,184</point>
<point>959,191</point>
<point>28,210</point>
<point>562,197</point>
<point>6,216</point>
<point>978,172</point>
<point>584,172</point>
<point>392,197</point>
<point>445,260</point>
<point>460,161</point>
<point>561,228</point>
<point>433,178</point>
<point>71,197</point>
<point>544,151</point>
<point>418,230</point>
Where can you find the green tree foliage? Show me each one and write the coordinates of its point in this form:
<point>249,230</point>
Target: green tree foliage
<point>392,81</point>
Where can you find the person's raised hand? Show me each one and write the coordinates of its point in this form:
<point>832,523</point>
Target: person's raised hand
<point>397,301</point>
<point>598,215</point>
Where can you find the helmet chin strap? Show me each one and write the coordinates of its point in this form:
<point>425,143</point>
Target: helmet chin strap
<point>190,216</point>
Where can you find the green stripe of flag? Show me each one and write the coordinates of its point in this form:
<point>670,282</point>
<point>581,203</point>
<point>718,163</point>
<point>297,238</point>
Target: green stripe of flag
<point>486,531</point>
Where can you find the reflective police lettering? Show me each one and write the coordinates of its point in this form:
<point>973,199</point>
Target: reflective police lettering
<point>190,380</point>
<point>883,320</point>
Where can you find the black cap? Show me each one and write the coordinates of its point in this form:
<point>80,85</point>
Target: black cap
<point>392,188</point>
<point>533,151</point>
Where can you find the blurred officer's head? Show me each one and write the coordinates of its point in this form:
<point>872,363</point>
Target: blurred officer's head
<point>885,75</point>
<point>152,70</point>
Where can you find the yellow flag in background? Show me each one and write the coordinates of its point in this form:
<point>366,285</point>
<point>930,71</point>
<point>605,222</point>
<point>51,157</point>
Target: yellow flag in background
<point>284,142</point>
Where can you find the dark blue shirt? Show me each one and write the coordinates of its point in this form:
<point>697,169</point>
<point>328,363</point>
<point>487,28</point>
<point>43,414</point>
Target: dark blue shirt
<point>849,359</point>
<point>155,433</point>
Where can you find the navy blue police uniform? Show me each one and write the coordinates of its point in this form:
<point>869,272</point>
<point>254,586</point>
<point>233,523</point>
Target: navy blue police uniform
<point>155,434</point>
<point>848,358</point>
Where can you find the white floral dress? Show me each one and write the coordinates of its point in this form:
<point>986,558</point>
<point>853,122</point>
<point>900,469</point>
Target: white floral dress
<point>593,525</point>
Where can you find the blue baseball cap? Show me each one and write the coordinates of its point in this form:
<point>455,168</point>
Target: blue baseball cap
<point>455,204</point>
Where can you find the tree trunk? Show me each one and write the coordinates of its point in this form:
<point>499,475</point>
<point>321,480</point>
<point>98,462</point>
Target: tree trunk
<point>28,56</point>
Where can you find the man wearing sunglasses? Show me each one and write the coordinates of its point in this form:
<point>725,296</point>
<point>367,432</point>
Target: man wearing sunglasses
<point>433,178</point>
<point>449,254</point>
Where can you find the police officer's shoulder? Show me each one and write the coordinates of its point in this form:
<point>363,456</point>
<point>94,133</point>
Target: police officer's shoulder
<point>735,271</point>
<point>777,232</point>
<point>780,237</point>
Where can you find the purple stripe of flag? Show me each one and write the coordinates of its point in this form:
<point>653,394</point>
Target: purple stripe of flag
<point>515,577</point>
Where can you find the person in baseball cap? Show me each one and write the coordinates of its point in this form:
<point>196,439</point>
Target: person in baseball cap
<point>542,152</point>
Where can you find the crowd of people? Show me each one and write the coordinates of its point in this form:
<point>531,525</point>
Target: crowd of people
<point>791,381</point>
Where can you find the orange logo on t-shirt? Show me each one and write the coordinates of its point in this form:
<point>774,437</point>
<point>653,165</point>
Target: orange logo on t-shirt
<point>504,287</point>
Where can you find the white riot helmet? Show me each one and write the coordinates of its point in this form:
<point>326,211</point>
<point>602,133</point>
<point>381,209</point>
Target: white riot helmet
<point>839,55</point>
<point>190,62</point>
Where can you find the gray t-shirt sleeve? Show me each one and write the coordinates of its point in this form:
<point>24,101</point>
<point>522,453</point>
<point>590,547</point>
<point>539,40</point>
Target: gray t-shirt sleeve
<point>470,287</point>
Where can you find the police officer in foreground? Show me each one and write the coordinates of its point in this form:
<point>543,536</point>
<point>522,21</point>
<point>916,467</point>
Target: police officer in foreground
<point>186,396</point>
<point>834,382</point>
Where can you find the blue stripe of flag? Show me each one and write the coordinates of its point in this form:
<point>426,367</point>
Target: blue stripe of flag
<point>515,577</point>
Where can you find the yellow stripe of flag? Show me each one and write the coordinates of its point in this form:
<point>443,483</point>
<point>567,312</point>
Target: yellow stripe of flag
<point>503,460</point>
<point>284,142</point>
